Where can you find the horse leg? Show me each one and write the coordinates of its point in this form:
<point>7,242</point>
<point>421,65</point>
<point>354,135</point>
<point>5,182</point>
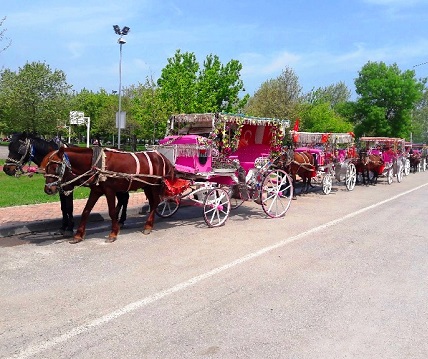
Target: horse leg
<point>112,211</point>
<point>122,204</point>
<point>69,207</point>
<point>153,195</point>
<point>94,195</point>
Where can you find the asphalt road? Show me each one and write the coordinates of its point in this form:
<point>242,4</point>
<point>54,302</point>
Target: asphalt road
<point>341,276</point>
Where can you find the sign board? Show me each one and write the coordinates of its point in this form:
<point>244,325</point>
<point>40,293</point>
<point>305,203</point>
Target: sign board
<point>77,118</point>
<point>122,120</point>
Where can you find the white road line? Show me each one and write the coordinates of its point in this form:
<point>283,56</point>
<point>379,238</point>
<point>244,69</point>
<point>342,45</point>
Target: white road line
<point>50,343</point>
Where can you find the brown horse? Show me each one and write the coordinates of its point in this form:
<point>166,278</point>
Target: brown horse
<point>415,160</point>
<point>370,163</point>
<point>106,172</point>
<point>300,164</point>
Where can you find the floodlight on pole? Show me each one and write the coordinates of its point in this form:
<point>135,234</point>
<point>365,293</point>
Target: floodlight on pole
<point>121,41</point>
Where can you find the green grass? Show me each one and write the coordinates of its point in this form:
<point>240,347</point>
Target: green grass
<point>29,190</point>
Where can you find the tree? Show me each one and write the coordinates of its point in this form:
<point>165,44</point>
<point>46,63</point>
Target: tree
<point>3,37</point>
<point>219,86</point>
<point>323,118</point>
<point>34,98</point>
<point>185,88</point>
<point>387,97</point>
<point>277,98</point>
<point>334,94</point>
<point>420,120</point>
<point>178,82</point>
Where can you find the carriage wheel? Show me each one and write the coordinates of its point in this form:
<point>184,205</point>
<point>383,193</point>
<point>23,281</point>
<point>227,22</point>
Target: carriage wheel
<point>351,176</point>
<point>424,165</point>
<point>216,207</point>
<point>277,193</point>
<point>407,167</point>
<point>168,206</point>
<point>327,183</point>
<point>400,173</point>
<point>390,175</point>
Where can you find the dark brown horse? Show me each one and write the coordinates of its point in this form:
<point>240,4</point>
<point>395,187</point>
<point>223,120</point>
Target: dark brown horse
<point>300,164</point>
<point>106,172</point>
<point>25,148</point>
<point>415,160</point>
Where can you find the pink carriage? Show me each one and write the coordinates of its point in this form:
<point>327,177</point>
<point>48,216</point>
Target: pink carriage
<point>334,156</point>
<point>226,159</point>
<point>393,154</point>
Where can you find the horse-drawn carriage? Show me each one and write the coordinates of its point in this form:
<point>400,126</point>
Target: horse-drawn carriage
<point>223,160</point>
<point>384,156</point>
<point>417,156</point>
<point>333,157</point>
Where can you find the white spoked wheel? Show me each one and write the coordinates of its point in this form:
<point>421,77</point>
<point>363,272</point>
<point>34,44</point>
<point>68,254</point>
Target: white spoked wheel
<point>400,173</point>
<point>419,169</point>
<point>277,193</point>
<point>390,176</point>
<point>327,183</point>
<point>424,164</point>
<point>168,206</point>
<point>350,177</point>
<point>407,167</point>
<point>216,207</point>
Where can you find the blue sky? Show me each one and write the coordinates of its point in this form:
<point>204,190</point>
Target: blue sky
<point>323,41</point>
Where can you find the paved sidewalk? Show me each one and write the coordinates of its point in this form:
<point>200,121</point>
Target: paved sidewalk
<point>47,216</point>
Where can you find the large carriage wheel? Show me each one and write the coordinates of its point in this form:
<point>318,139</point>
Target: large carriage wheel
<point>216,207</point>
<point>168,206</point>
<point>406,167</point>
<point>327,183</point>
<point>277,193</point>
<point>350,176</point>
<point>424,164</point>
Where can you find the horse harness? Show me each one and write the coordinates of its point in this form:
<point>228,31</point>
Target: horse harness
<point>26,148</point>
<point>98,172</point>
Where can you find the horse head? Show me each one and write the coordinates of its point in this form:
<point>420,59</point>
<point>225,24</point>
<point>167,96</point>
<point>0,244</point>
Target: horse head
<point>54,165</point>
<point>19,154</point>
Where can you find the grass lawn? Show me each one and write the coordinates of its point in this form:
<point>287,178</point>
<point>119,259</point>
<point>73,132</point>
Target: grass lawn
<point>29,190</point>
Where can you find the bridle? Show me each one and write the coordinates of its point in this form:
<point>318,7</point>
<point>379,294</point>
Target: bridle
<point>26,149</point>
<point>63,165</point>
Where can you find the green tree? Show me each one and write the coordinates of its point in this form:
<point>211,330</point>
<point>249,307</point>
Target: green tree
<point>149,111</point>
<point>219,86</point>
<point>323,118</point>
<point>178,83</point>
<point>334,94</point>
<point>34,98</point>
<point>387,97</point>
<point>277,98</point>
<point>185,88</point>
<point>420,120</point>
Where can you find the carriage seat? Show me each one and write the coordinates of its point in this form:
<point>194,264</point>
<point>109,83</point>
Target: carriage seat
<point>387,157</point>
<point>248,154</point>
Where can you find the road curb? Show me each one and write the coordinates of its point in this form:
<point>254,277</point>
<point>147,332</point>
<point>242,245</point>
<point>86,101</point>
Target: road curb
<point>18,228</point>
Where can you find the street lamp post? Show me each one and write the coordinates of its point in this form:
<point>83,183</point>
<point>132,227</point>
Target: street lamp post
<point>121,41</point>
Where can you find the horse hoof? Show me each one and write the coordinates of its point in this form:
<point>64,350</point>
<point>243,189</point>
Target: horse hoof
<point>146,231</point>
<point>110,239</point>
<point>75,240</point>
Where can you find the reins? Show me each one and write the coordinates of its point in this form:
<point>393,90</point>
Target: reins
<point>29,149</point>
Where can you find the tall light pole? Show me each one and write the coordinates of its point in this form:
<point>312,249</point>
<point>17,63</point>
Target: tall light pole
<point>121,41</point>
